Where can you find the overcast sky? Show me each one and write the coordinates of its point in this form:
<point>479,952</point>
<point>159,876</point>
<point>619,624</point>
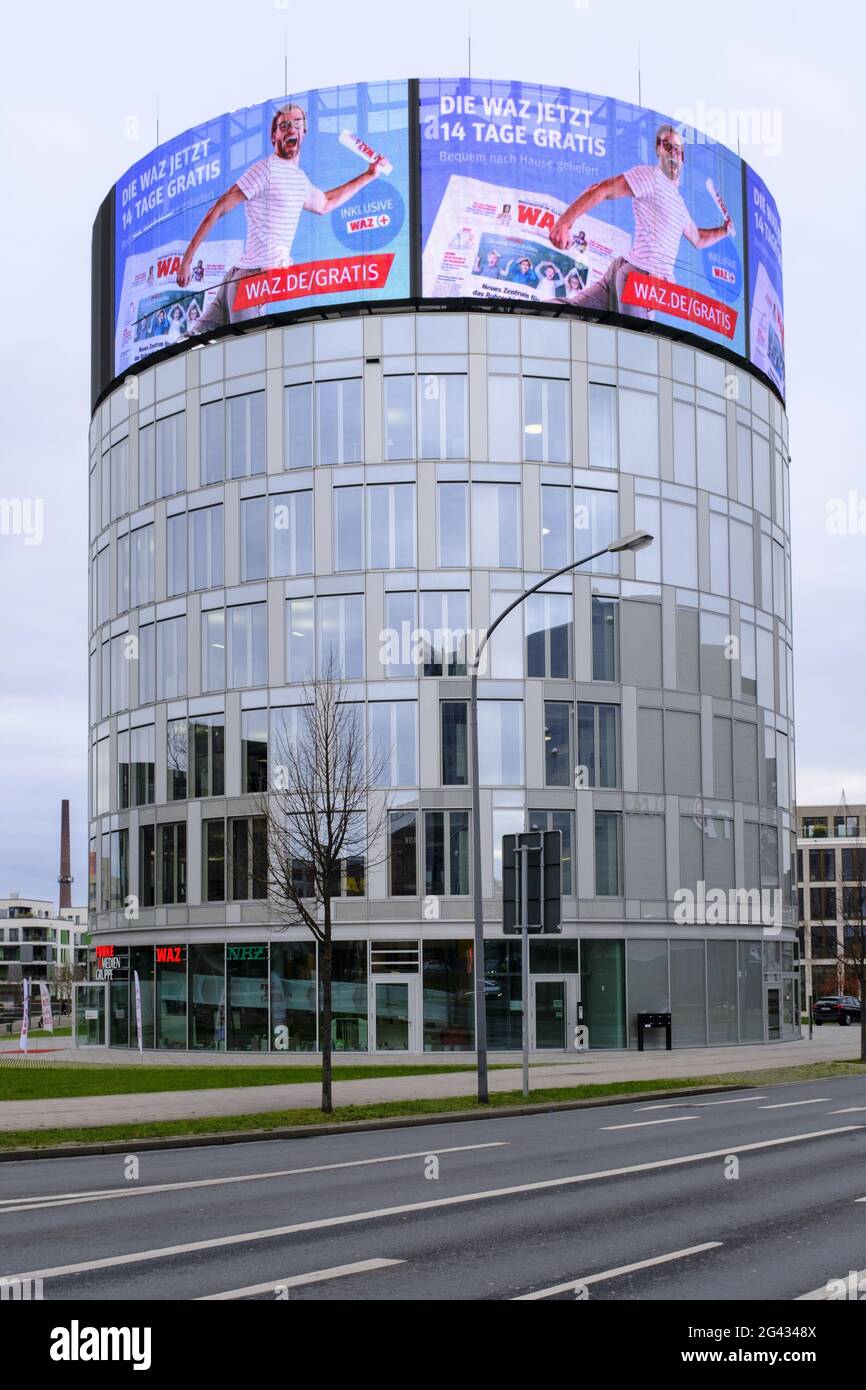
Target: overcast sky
<point>73,75</point>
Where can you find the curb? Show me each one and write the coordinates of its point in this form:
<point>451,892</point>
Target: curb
<point>257,1136</point>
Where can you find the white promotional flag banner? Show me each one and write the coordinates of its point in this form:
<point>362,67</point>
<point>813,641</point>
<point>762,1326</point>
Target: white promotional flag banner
<point>45,1003</point>
<point>138,1009</point>
<point>25,1020</point>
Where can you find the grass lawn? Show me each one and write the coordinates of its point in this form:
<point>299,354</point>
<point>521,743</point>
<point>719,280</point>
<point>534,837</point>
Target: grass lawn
<point>347,1114</point>
<point>54,1083</point>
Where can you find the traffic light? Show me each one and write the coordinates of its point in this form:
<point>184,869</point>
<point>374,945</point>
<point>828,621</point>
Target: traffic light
<point>544,881</point>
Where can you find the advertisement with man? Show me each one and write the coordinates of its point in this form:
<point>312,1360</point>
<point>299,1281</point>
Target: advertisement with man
<point>766,304</point>
<point>549,195</point>
<point>299,200</point>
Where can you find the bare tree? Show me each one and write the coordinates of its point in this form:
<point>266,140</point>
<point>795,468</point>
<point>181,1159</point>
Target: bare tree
<point>324,808</point>
<point>852,948</point>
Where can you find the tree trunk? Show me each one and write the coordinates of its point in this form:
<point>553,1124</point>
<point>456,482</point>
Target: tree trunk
<point>327,1096</point>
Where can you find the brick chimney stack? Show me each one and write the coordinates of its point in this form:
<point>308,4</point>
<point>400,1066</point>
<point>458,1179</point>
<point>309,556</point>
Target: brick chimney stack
<point>65,877</point>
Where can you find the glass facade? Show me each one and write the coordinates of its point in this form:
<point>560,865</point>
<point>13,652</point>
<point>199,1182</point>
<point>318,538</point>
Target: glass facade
<point>370,514</point>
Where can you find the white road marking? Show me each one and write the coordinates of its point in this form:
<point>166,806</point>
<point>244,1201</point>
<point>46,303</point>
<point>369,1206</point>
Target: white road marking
<point>665,1105</point>
<point>850,1110</point>
<point>789,1104</point>
<point>615,1273</point>
<point>741,1100</point>
<point>817,1295</point>
<point>106,1194</point>
<point>642,1124</point>
<point>316,1276</point>
<point>351,1218</point>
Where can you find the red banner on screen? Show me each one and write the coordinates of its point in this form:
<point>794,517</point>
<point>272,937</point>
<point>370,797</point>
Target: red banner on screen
<point>647,292</point>
<point>338,276</point>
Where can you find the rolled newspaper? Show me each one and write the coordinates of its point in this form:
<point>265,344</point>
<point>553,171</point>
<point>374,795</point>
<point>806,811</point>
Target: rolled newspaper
<point>363,150</point>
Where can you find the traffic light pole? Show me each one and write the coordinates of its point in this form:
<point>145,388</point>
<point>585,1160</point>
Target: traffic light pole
<point>524,936</point>
<point>477,885</point>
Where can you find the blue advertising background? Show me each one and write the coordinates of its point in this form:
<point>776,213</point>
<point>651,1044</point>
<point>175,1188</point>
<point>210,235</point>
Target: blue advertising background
<point>162,199</point>
<point>566,146</point>
<point>766,298</point>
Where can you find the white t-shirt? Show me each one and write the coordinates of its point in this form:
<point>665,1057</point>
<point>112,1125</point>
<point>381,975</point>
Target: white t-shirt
<point>660,219</point>
<point>277,191</point>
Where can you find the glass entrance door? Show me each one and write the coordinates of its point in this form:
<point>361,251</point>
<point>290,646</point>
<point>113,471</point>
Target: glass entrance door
<point>550,1015</point>
<point>773,1017</point>
<point>395,1013</point>
<point>89,1015</point>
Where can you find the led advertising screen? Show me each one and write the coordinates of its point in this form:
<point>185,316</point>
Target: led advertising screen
<point>766,304</point>
<point>298,201</point>
<point>555,196</point>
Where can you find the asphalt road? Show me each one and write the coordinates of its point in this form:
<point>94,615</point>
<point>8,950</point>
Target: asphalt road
<point>633,1202</point>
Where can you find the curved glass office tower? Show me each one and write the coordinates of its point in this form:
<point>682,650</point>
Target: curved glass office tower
<point>369,489</point>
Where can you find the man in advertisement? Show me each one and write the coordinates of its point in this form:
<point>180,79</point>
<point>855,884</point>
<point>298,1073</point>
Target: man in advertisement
<point>661,218</point>
<point>273,191</point>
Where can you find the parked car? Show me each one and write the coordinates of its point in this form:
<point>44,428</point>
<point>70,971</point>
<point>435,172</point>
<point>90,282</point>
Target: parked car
<point>836,1008</point>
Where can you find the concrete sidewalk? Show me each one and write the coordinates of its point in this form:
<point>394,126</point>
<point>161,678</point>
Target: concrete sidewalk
<point>594,1068</point>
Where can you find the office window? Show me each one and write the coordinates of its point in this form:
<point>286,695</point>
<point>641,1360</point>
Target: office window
<point>341,635</point>
<point>207,736</point>
<point>249,859</point>
<point>563,821</point>
<point>177,760</point>
<point>454,720</point>
<point>213,649</point>
<point>212,462</point>
<point>596,524</point>
<point>853,862</point>
<point>822,866</point>
<point>712,451</point>
<point>141,573</point>
<point>814,828</point>
<point>254,750</point>
<point>340,425</point>
<point>558,734</point>
<point>443,417</point>
<point>300,660</point>
<point>402,647</point>
<point>123,788</point>
<point>685,449</point>
<point>602,426</point>
<point>391,526</point>
<point>171,455</point>
<point>500,742</point>
<point>719,569</point>
<point>638,432</point>
<point>291,534</point>
<point>598,745</point>
<point>846,827</point>
<point>119,478</point>
<point>605,638</point>
<point>445,628</point>
<point>608,854</point>
<point>122,574</point>
<point>213,849</point>
<point>446,853</point>
<point>824,941</point>
<point>102,788</point>
<point>206,547</point>
<point>146,465</point>
<point>175,554</point>
<point>105,703</point>
<point>496,525</point>
<point>679,544</point>
<point>452,502</point>
<point>822,904</point>
<point>146,664</point>
<point>348,528</point>
<point>394,742</point>
<point>247,651</point>
<point>119,673</point>
<point>715,665</point>
<point>171,658</point>
<point>403,853</point>
<point>171,857</point>
<point>556,527</point>
<point>298,403</point>
<point>254,540</point>
<point>147,866</point>
<point>247,435</point>
<point>103,607</point>
<point>548,635</point>
<point>399,417</point>
<point>119,872</point>
<point>546,421</point>
<point>503,419</point>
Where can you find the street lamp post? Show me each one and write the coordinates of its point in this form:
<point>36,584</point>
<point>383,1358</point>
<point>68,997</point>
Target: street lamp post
<point>637,540</point>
